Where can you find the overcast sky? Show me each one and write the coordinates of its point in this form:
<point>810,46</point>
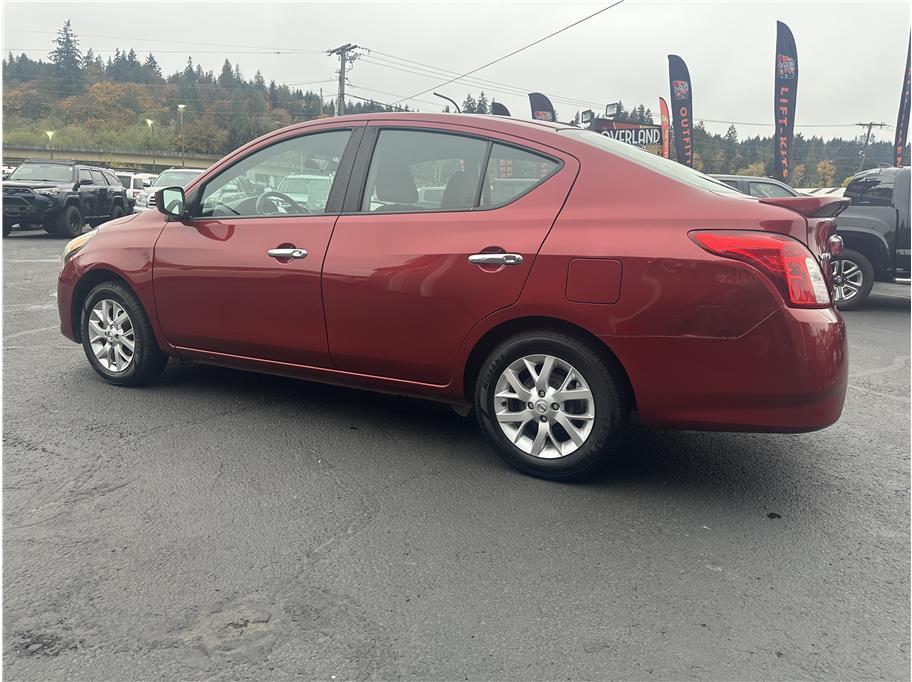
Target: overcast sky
<point>850,54</point>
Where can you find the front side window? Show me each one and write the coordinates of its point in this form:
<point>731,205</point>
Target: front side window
<point>84,175</point>
<point>414,171</point>
<point>112,180</point>
<point>98,178</point>
<point>512,172</point>
<point>768,189</point>
<point>47,172</point>
<point>293,177</point>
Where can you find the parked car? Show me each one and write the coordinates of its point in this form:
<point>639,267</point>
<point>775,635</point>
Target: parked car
<point>821,191</point>
<point>614,280</point>
<point>758,186</point>
<point>61,196</point>
<point>134,183</point>
<point>145,199</point>
<point>875,231</point>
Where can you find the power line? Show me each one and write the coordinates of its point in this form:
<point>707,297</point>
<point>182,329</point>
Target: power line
<point>517,51</point>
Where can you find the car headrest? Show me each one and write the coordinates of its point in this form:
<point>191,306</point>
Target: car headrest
<point>396,184</point>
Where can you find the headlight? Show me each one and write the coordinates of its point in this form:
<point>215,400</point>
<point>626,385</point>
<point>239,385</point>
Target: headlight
<point>74,245</point>
<point>48,191</point>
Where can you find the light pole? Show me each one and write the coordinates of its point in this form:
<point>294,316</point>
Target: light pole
<point>50,134</point>
<point>180,113</point>
<point>151,124</point>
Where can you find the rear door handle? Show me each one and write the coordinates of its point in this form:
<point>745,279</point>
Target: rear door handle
<point>496,259</point>
<point>287,253</point>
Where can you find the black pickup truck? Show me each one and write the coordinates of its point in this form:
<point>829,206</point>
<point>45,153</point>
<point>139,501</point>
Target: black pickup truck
<point>875,233</point>
<point>61,196</point>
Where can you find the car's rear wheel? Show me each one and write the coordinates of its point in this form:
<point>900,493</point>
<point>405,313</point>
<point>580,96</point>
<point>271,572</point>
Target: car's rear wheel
<point>70,223</point>
<point>853,279</point>
<point>7,227</point>
<point>551,405</point>
<point>117,337</point>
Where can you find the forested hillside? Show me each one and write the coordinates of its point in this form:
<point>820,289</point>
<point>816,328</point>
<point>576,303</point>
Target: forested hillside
<point>90,102</point>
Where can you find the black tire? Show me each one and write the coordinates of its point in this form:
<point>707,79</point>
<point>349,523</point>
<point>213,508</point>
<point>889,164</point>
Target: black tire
<point>605,383</point>
<point>845,262</point>
<point>70,223</point>
<point>116,212</point>
<point>7,228</point>
<point>148,361</point>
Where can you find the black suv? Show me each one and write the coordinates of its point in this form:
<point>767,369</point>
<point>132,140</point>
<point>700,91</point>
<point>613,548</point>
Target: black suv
<point>61,196</point>
<point>876,233</point>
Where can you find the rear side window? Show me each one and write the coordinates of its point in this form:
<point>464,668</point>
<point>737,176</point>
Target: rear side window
<point>512,172</point>
<point>768,189</point>
<point>414,170</point>
<point>870,191</point>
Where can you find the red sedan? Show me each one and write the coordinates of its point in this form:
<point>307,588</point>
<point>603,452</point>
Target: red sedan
<point>550,277</point>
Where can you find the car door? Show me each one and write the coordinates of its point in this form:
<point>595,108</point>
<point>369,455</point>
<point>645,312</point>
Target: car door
<point>242,276</point>
<point>399,288</point>
<point>88,197</point>
<point>903,232</point>
<point>102,192</point>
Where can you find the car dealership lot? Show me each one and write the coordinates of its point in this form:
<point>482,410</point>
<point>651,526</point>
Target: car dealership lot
<point>223,523</point>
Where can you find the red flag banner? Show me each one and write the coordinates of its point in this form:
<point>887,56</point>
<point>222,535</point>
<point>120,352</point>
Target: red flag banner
<point>666,124</point>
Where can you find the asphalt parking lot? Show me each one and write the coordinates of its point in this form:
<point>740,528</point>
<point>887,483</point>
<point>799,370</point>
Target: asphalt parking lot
<point>223,524</point>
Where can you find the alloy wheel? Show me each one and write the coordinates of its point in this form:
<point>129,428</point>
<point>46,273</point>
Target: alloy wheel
<point>848,280</point>
<point>544,406</point>
<point>111,335</point>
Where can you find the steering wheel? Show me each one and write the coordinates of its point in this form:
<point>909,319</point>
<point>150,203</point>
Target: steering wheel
<point>269,196</point>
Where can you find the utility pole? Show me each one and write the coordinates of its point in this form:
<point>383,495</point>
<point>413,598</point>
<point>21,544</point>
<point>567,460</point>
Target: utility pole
<point>864,150</point>
<point>342,51</point>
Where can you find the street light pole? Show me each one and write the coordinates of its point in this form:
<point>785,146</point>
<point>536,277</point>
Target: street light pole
<point>180,113</point>
<point>151,124</point>
<point>50,134</point>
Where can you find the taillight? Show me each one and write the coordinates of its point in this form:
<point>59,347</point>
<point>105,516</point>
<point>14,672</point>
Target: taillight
<point>785,261</point>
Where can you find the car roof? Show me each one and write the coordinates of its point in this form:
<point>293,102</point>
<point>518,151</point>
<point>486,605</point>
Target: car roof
<point>882,170</point>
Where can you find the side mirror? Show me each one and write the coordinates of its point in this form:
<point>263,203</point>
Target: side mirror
<point>85,181</point>
<point>171,201</point>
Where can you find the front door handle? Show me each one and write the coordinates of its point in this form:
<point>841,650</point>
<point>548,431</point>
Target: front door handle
<point>495,259</point>
<point>287,253</point>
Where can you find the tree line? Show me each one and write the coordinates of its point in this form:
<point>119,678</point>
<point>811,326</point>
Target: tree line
<point>127,102</point>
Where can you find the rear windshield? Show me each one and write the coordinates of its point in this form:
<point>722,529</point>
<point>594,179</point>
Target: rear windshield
<point>48,172</point>
<point>653,162</point>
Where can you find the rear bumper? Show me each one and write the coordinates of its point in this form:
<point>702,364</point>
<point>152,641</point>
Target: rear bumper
<point>788,374</point>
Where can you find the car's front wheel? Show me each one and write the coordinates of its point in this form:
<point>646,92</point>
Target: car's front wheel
<point>551,405</point>
<point>853,279</point>
<point>70,223</point>
<point>117,336</point>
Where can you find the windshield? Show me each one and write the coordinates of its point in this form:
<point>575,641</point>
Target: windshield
<point>658,164</point>
<point>293,185</point>
<point>175,178</point>
<point>43,172</point>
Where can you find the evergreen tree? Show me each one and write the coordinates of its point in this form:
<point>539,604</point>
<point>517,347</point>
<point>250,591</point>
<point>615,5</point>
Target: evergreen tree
<point>226,77</point>
<point>68,59</point>
<point>481,105</point>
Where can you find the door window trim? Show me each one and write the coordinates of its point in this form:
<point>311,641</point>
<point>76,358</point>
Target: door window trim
<point>336,192</point>
<point>357,185</point>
